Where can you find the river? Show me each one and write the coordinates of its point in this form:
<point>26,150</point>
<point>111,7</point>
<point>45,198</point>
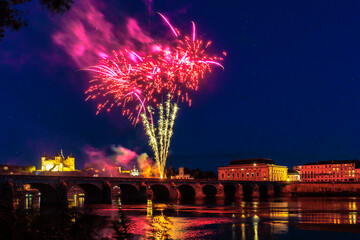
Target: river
<point>283,218</point>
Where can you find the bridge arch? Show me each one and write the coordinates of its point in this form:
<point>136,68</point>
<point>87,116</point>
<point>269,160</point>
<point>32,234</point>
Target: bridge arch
<point>229,190</point>
<point>76,195</point>
<point>128,192</point>
<point>277,190</point>
<point>186,192</point>
<point>49,195</point>
<point>263,191</point>
<point>247,190</point>
<point>160,193</point>
<point>209,190</point>
<point>93,194</point>
<point>7,194</point>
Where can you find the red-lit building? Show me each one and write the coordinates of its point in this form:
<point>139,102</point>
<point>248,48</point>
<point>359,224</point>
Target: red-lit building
<point>357,174</point>
<point>330,171</point>
<point>257,169</point>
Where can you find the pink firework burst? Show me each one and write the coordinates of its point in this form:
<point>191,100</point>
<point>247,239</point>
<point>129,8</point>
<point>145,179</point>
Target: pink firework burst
<point>133,82</point>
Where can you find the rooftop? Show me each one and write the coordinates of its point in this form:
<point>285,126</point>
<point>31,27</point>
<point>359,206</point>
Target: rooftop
<point>357,163</point>
<point>251,161</point>
<point>290,171</point>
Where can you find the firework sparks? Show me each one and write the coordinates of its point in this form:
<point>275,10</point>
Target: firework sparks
<point>160,140</point>
<point>117,78</point>
<point>138,83</point>
<point>171,27</point>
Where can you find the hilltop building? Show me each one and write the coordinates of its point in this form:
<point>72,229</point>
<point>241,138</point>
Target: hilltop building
<point>330,171</point>
<point>256,169</point>
<point>182,174</point>
<point>58,163</point>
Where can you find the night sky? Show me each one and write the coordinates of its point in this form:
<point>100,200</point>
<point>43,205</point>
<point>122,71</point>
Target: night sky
<point>289,92</point>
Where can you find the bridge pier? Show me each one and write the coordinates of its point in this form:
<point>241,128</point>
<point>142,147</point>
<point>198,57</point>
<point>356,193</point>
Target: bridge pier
<point>239,191</point>
<point>149,193</point>
<point>220,191</point>
<point>143,192</point>
<point>270,191</point>
<point>199,192</point>
<point>7,194</point>
<point>255,191</point>
<point>285,191</point>
<point>106,190</point>
<point>173,192</point>
<point>61,190</point>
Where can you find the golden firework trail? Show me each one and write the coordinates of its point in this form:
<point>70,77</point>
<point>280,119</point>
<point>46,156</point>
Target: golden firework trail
<point>159,138</point>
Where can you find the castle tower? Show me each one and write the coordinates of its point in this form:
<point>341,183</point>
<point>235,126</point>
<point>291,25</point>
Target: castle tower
<point>69,163</point>
<point>58,163</point>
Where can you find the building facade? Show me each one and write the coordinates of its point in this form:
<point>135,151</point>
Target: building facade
<point>257,169</point>
<point>330,171</point>
<point>58,163</point>
<point>182,174</point>
<point>293,176</point>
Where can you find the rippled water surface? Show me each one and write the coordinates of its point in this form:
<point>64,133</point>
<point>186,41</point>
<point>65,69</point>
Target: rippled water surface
<point>285,218</point>
<point>301,218</point>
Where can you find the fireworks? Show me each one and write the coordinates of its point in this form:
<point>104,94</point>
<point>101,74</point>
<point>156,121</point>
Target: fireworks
<point>116,79</point>
<point>139,82</point>
<point>160,140</point>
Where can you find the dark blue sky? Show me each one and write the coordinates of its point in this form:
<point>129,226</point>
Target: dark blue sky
<point>289,92</point>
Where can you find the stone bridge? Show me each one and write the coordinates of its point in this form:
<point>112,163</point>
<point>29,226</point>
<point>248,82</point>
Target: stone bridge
<point>55,189</point>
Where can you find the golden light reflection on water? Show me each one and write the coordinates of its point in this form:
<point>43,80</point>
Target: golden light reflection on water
<point>256,227</point>
<point>77,201</point>
<point>149,208</point>
<point>76,196</point>
<point>28,200</point>
<point>243,236</point>
<point>236,220</point>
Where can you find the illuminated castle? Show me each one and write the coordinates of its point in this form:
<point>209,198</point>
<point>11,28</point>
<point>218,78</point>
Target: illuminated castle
<point>58,163</point>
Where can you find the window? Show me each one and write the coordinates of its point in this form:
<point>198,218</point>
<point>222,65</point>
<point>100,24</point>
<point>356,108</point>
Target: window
<point>222,175</point>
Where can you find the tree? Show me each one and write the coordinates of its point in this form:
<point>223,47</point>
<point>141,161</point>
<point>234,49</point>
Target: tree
<point>30,168</point>
<point>12,18</point>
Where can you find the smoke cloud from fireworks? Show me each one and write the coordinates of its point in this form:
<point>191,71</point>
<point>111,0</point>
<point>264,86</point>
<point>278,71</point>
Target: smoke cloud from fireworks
<point>86,35</point>
<point>82,30</point>
<point>118,156</point>
<point>147,165</point>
